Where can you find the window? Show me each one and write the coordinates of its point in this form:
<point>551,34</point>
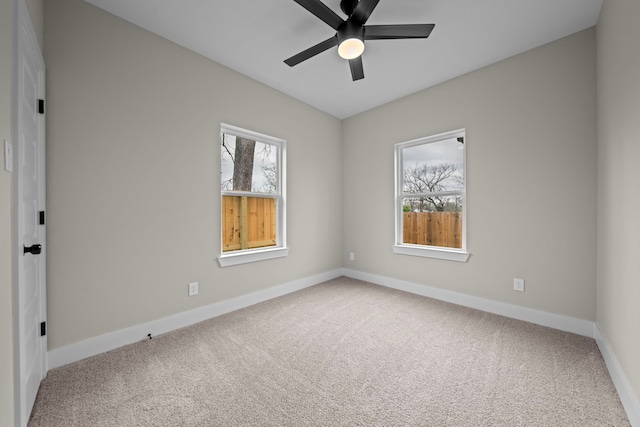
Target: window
<point>252,188</point>
<point>430,196</point>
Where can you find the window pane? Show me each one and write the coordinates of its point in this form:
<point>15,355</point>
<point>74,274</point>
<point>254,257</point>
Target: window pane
<point>248,222</point>
<point>433,167</point>
<point>248,165</point>
<point>252,196</point>
<point>430,195</point>
<point>432,221</point>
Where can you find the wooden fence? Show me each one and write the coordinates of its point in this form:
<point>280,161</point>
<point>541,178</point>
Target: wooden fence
<point>248,222</point>
<point>433,228</point>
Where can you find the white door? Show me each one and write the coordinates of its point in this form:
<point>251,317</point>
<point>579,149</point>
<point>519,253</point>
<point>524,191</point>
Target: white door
<point>29,182</point>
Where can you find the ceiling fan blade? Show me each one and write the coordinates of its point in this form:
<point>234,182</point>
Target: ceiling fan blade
<point>408,31</point>
<point>363,10</point>
<point>312,51</point>
<point>322,11</point>
<point>357,71</point>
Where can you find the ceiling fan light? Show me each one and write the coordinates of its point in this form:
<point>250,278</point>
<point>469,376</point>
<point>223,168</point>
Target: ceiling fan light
<point>351,48</point>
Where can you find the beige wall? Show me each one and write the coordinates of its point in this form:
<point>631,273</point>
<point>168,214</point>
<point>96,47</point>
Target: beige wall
<point>133,215</point>
<point>618,180</point>
<point>133,174</point>
<point>6,324</point>
<point>531,171</point>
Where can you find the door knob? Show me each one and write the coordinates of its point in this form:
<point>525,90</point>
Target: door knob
<point>34,249</point>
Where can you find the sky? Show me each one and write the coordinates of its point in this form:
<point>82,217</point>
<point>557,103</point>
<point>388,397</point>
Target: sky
<point>447,151</point>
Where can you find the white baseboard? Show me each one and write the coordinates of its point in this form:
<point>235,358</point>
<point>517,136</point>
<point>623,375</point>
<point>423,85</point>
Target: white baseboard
<point>100,344</point>
<point>586,328</point>
<point>556,321</point>
<point>93,346</point>
<point>628,398</point>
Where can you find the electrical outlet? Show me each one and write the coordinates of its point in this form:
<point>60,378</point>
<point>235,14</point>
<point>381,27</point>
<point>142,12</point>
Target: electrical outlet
<point>193,289</point>
<point>518,285</point>
<point>352,256</point>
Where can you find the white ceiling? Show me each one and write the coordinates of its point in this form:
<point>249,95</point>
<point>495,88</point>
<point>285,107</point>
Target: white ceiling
<point>254,37</point>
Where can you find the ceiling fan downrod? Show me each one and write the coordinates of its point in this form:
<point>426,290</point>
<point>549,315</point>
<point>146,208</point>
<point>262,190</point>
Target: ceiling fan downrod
<point>347,6</point>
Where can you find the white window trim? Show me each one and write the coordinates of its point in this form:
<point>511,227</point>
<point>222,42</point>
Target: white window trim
<point>432,252</point>
<point>260,254</point>
<point>254,255</point>
<point>437,252</point>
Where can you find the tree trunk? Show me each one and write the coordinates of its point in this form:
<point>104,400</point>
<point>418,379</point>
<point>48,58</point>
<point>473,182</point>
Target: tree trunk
<point>243,166</point>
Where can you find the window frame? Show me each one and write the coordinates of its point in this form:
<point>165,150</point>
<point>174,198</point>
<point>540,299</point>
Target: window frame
<point>437,252</point>
<point>280,250</point>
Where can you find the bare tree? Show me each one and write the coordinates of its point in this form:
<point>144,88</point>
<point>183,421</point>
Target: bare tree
<point>428,179</point>
<point>271,178</point>
<point>243,164</point>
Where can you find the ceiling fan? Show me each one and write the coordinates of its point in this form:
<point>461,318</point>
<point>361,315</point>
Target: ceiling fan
<point>351,34</point>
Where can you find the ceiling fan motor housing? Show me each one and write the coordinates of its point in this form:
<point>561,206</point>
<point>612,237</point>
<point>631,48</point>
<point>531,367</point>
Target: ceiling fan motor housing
<point>350,30</point>
<point>350,40</point>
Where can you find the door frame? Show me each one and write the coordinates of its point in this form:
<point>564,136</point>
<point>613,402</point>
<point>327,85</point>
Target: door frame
<point>24,32</point>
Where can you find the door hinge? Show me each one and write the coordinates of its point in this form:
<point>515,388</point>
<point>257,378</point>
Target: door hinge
<point>41,217</point>
<point>43,329</point>
<point>41,106</point>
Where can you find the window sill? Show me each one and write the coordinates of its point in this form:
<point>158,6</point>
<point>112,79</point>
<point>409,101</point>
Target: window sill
<point>237,258</point>
<point>432,252</point>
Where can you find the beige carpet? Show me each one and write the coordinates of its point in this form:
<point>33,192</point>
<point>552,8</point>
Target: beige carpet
<point>342,353</point>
